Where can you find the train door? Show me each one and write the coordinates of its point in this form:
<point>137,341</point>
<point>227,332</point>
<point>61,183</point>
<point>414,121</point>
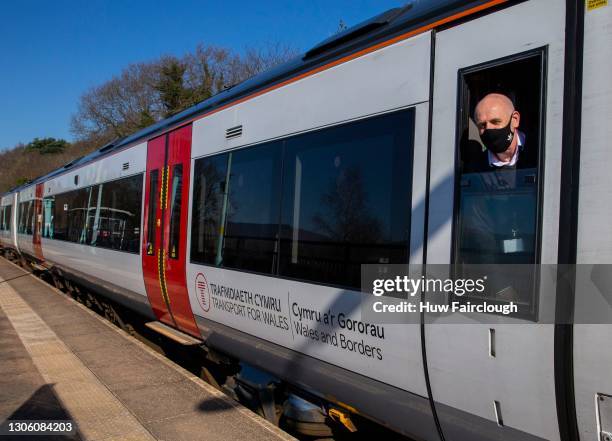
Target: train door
<point>494,378</point>
<point>165,228</point>
<point>37,220</point>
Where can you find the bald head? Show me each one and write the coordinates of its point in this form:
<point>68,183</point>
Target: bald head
<point>495,111</point>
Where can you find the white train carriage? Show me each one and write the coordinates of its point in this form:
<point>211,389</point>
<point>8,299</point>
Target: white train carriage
<point>245,220</point>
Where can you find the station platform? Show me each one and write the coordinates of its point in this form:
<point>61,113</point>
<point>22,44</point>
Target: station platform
<point>60,361</point>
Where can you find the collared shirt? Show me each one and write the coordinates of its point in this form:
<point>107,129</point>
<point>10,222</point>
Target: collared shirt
<point>494,161</point>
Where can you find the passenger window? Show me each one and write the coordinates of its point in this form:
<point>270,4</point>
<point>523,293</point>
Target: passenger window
<point>77,212</point>
<point>29,217</point>
<point>209,197</point>
<point>48,209</point>
<point>90,219</point>
<point>312,207</point>
<point>60,216</point>
<point>347,199</point>
<point>500,123</point>
<point>152,212</point>
<point>175,211</point>
<point>25,218</point>
<point>118,220</point>
<point>251,233</point>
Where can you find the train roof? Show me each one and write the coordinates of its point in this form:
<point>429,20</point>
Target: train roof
<point>397,21</point>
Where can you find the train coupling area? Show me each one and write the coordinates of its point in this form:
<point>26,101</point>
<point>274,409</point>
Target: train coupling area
<point>66,373</point>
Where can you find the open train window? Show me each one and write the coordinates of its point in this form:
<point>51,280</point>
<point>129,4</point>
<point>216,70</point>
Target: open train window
<point>500,128</point>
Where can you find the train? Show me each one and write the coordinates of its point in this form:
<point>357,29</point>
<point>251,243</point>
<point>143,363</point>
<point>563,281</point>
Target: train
<point>243,222</point>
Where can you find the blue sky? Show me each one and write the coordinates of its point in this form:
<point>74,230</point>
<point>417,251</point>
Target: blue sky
<point>52,52</point>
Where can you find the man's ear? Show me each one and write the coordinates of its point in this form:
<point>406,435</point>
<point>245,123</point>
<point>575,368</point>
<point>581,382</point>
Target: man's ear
<point>516,119</point>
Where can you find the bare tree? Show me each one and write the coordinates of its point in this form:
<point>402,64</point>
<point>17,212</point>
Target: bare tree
<point>146,92</point>
<point>120,106</point>
<point>257,60</point>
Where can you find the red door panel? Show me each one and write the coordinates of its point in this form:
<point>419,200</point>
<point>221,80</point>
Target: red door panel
<point>175,228</point>
<point>165,229</point>
<point>151,242</point>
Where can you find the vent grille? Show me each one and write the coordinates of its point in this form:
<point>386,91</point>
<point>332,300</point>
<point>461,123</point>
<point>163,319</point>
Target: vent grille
<point>233,132</point>
<point>126,165</point>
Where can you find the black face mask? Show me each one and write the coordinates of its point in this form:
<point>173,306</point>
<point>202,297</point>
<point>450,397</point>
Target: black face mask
<point>498,140</point>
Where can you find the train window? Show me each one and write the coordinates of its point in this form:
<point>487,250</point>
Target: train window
<point>21,217</point>
<point>25,218</point>
<point>117,218</point>
<point>499,172</point>
<point>48,212</point>
<point>209,197</point>
<point>30,218</point>
<point>251,225</point>
<point>8,218</point>
<point>175,211</point>
<point>77,215</point>
<point>90,215</point>
<point>67,215</point>
<point>1,218</point>
<point>19,209</point>
<point>152,213</point>
<point>347,199</point>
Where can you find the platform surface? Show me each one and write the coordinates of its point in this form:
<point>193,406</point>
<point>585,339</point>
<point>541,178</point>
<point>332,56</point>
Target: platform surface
<point>60,361</point>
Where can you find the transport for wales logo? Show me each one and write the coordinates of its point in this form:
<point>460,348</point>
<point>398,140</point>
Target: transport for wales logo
<point>203,292</point>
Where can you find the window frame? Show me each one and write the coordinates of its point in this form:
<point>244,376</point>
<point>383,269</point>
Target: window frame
<point>462,107</point>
